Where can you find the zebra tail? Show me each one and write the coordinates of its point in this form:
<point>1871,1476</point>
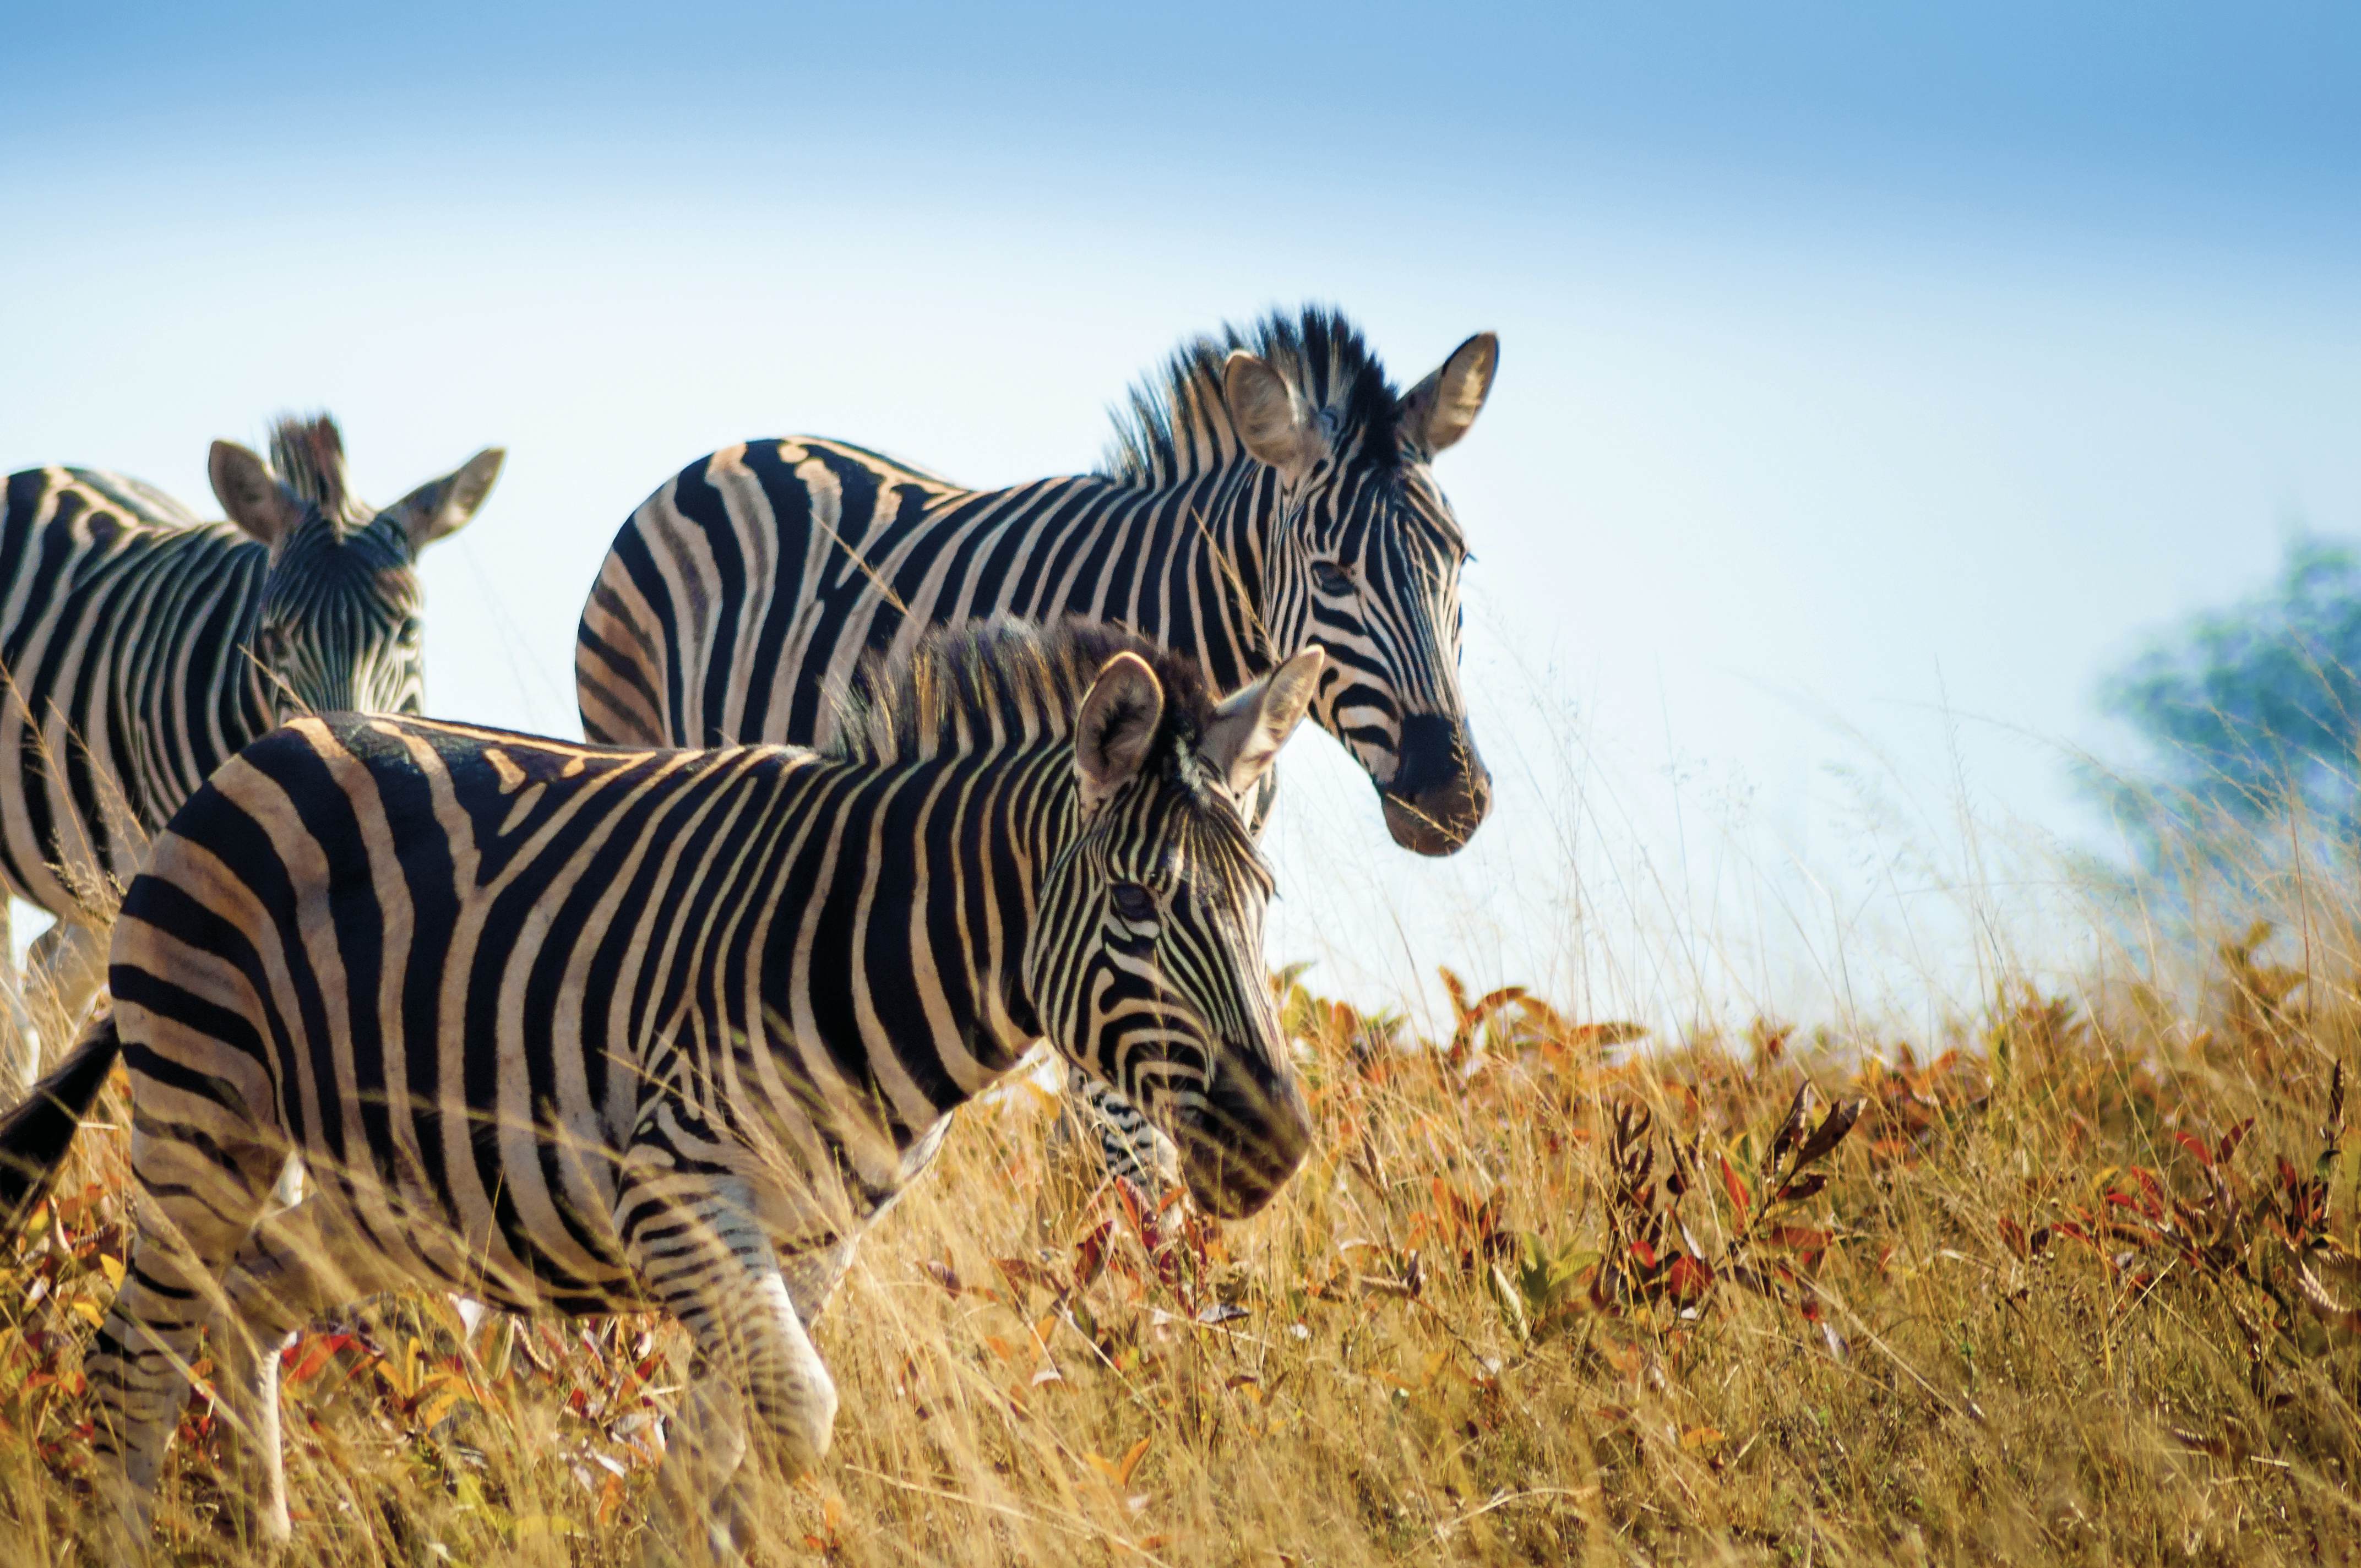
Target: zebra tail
<point>35,1136</point>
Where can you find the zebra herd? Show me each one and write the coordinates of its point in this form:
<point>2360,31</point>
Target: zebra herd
<point>886,782</point>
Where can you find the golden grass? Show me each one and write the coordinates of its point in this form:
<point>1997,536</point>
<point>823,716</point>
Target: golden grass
<point>2073,1289</point>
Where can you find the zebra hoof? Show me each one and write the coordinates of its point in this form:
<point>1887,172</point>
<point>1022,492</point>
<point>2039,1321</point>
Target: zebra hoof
<point>802,1442</point>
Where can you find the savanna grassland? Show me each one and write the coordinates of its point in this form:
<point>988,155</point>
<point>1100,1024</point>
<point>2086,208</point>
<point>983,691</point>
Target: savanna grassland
<point>2072,1281</point>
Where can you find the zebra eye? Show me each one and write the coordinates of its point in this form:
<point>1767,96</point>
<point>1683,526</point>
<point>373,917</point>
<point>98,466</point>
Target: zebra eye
<point>1333,579</point>
<point>1133,903</point>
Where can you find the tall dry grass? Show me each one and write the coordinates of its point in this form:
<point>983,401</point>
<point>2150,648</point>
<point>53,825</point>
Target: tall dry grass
<point>2071,1281</point>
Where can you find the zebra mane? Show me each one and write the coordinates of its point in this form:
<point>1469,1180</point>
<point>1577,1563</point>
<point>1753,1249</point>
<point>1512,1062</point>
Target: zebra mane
<point>965,690</point>
<point>1177,421</point>
<point>308,455</point>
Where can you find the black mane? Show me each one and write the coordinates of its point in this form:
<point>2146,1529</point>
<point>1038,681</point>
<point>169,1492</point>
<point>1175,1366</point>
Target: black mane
<point>308,455</point>
<point>1178,422</point>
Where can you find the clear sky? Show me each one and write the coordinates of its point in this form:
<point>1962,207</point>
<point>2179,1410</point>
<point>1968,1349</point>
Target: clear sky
<point>1873,376</point>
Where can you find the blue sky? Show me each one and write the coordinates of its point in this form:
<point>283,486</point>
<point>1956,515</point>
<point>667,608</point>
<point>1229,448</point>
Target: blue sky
<point>1873,376</point>
<point>2171,113</point>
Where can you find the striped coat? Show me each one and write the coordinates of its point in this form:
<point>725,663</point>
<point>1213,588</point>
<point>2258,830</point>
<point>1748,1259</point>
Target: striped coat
<point>588,1030</point>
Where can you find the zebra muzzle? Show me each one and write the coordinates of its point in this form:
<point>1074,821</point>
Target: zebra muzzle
<point>1240,1147</point>
<point>1441,790</point>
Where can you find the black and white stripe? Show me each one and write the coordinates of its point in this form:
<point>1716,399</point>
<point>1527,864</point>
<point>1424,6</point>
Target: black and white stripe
<point>1268,491</point>
<point>141,648</point>
<point>589,1029</point>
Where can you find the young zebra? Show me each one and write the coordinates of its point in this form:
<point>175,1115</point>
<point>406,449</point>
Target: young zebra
<point>593,1029</point>
<point>140,648</point>
<point>1266,490</point>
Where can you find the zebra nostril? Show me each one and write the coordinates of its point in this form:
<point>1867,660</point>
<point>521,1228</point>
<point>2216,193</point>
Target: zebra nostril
<point>1428,754</point>
<point>1439,792</point>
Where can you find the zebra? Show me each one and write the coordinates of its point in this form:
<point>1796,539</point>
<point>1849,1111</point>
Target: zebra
<point>594,1029</point>
<point>1267,488</point>
<point>141,647</point>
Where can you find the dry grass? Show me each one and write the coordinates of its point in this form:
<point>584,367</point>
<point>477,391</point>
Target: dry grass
<point>2069,1285</point>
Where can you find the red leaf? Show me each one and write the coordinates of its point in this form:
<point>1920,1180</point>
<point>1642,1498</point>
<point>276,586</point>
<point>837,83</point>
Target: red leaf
<point>1091,1255</point>
<point>2014,1235</point>
<point>305,1358</point>
<point>1142,1216</point>
<point>2196,1146</point>
<point>1687,1279</point>
<point>1739,1196</point>
<point>1807,1239</point>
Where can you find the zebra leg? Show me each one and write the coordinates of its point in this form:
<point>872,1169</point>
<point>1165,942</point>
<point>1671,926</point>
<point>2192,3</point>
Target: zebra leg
<point>291,1272</point>
<point>1128,1143</point>
<point>63,972</point>
<point>200,1191</point>
<point>700,1253</point>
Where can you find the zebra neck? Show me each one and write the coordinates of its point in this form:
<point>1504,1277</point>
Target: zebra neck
<point>198,682</point>
<point>256,690</point>
<point>1183,563</point>
<point>948,855</point>
<point>1035,818</point>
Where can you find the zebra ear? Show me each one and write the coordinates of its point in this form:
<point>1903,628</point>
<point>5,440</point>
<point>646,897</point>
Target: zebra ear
<point>1255,721</point>
<point>1439,409</point>
<point>1117,723</point>
<point>442,506</point>
<point>250,493</point>
<point>1265,413</point>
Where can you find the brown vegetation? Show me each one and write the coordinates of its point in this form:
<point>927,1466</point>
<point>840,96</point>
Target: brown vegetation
<point>2075,1284</point>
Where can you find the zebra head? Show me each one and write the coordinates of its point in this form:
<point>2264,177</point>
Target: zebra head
<point>339,623</point>
<point>1145,963</point>
<point>1365,558</point>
